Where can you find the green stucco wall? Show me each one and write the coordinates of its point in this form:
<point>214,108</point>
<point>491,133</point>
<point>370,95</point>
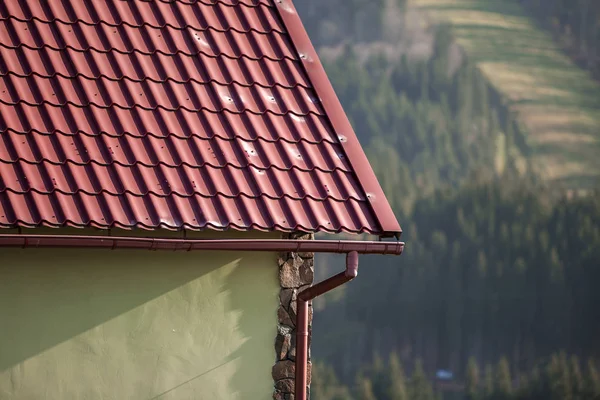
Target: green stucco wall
<point>101,324</point>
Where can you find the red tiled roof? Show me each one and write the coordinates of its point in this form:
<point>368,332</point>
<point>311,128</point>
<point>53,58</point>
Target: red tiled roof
<point>206,114</point>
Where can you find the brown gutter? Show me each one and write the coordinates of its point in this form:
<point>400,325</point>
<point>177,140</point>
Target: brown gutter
<point>147,243</point>
<point>302,318</point>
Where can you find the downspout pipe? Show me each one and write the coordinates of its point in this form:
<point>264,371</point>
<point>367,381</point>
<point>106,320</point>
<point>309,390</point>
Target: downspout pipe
<point>303,300</point>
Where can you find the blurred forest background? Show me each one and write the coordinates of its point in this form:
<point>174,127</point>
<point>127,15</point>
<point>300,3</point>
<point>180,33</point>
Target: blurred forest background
<point>481,119</point>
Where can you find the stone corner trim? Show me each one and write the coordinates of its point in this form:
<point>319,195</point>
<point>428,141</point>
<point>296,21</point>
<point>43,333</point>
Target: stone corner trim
<point>296,272</point>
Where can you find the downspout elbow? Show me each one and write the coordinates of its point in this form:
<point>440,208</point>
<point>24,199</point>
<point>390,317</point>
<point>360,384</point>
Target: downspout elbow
<point>352,264</point>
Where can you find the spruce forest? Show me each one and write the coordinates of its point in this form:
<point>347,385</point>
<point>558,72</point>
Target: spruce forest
<point>498,197</point>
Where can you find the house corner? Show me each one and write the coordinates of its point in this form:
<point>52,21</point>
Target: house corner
<point>296,272</point>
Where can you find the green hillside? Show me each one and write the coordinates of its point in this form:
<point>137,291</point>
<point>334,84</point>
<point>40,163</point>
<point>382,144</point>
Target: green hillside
<point>557,103</point>
<point>460,120</point>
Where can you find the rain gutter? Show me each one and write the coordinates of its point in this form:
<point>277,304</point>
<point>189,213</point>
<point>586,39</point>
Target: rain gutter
<point>350,247</point>
<point>149,243</point>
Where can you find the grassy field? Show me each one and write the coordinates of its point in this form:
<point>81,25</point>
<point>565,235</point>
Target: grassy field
<point>557,103</point>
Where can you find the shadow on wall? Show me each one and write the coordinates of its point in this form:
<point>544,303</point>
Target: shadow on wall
<point>254,295</point>
<point>252,291</point>
<point>50,296</point>
<point>99,324</point>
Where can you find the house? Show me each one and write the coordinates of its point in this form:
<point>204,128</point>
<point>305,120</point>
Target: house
<point>164,166</point>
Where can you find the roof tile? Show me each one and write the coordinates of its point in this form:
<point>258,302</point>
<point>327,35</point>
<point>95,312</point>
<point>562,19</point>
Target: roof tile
<point>194,114</point>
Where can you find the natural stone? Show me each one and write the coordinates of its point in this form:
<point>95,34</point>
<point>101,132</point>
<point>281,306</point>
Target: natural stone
<point>292,352</point>
<point>301,236</point>
<point>307,255</point>
<point>293,310</point>
<point>310,262</point>
<point>284,317</point>
<point>282,346</point>
<point>307,272</point>
<point>286,296</point>
<point>304,287</point>
<point>289,274</point>
<point>285,385</point>
<point>283,330</point>
<point>283,370</point>
<point>296,273</point>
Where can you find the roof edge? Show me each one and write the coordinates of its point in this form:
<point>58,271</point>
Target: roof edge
<point>338,118</point>
<point>150,243</point>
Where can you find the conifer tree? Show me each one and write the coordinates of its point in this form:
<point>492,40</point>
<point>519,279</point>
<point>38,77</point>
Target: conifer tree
<point>325,384</point>
<point>397,387</point>
<point>379,376</point>
<point>557,378</point>
<point>502,381</point>
<point>537,386</point>
<point>419,386</point>
<point>592,381</point>
<point>576,378</point>
<point>489,382</point>
<point>472,380</point>
<point>365,389</point>
<point>524,390</point>
<point>566,386</point>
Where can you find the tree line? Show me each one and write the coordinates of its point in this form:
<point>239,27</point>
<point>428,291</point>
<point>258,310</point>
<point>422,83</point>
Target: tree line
<point>576,24</point>
<point>559,377</point>
<point>493,269</point>
<point>498,266</point>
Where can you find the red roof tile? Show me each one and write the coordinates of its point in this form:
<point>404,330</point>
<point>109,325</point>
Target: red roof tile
<point>175,114</point>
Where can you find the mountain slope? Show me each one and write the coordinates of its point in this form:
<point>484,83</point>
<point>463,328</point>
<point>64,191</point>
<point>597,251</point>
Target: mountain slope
<point>556,103</point>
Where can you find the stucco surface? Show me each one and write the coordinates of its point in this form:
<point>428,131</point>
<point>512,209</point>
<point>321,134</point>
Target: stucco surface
<point>98,324</point>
